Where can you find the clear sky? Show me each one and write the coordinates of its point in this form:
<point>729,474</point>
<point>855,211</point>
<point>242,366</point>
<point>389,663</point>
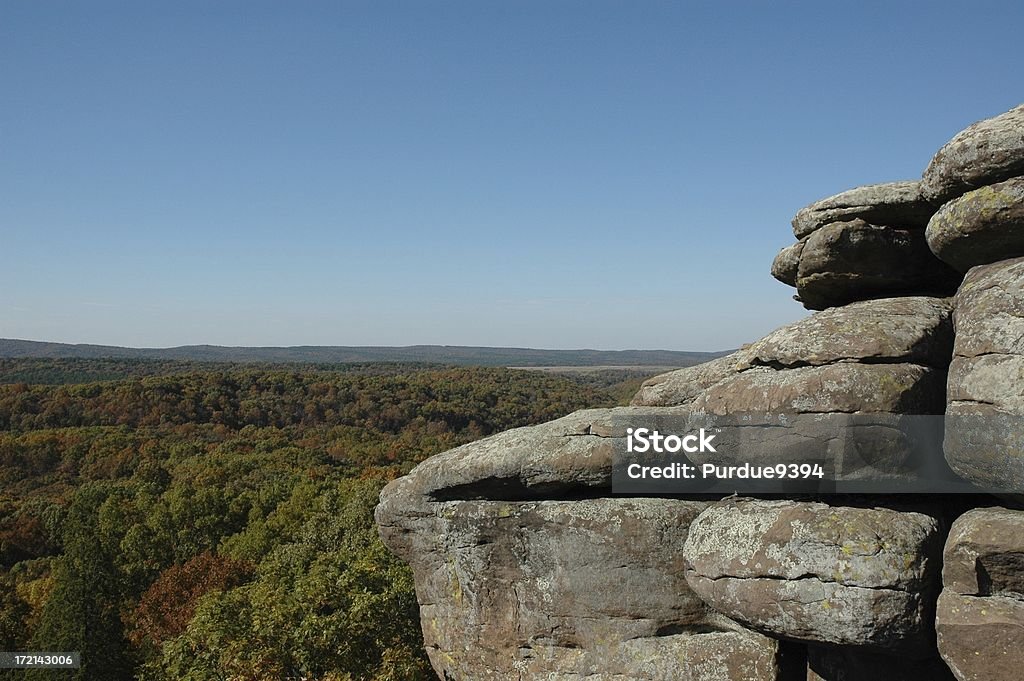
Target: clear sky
<point>547,174</point>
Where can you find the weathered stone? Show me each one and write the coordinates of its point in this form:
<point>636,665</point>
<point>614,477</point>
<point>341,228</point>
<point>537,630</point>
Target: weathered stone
<point>982,226</point>
<point>574,589</point>
<point>980,637</point>
<point>787,264</point>
<point>808,571</point>
<point>986,152</point>
<point>897,204</point>
<point>984,554</point>
<point>841,387</point>
<point>847,261</point>
<point>989,316</point>
<point>985,416</point>
<point>683,385</point>
<point>887,330</point>
<point>561,457</point>
<point>854,664</point>
<point>980,617</point>
<point>987,385</point>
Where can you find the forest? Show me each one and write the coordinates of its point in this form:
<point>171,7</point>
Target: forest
<point>174,520</point>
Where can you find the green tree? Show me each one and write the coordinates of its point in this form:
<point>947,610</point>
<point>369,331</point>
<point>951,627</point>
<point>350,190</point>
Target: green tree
<point>82,612</point>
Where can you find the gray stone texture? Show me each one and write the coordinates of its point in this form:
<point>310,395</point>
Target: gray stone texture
<point>590,589</point>
<point>989,151</point>
<point>898,204</point>
<point>980,618</point>
<point>682,386</point>
<point>884,355</point>
<point>984,225</point>
<point>786,265</point>
<point>813,572</point>
<point>985,412</point>
<point>843,262</point>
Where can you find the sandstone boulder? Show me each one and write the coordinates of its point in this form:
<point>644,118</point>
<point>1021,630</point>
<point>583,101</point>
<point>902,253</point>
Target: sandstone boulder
<point>989,151</point>
<point>980,638</point>
<point>985,415</point>
<point>898,204</point>
<point>980,227</point>
<point>980,619</point>
<point>854,260</point>
<point>808,571</point>
<point>569,590</point>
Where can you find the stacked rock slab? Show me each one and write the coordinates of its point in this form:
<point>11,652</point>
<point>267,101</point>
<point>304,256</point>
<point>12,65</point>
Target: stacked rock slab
<point>979,177</point>
<point>515,580</point>
<point>517,575</point>
<point>528,567</point>
<point>867,242</point>
<point>887,355</point>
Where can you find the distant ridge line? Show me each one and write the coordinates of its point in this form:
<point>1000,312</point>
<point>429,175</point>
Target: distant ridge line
<point>343,354</point>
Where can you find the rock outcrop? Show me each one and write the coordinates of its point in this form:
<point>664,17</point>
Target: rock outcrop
<point>577,589</point>
<point>532,559</point>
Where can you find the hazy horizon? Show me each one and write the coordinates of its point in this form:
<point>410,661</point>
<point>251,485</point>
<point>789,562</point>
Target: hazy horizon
<point>346,345</point>
<point>536,175</point>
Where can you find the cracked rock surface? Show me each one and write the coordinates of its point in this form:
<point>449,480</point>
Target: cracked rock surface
<point>986,378</point>
<point>814,572</point>
<point>588,589</point>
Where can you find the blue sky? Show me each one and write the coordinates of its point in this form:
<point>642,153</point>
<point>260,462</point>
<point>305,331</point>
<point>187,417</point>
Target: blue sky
<point>547,174</point>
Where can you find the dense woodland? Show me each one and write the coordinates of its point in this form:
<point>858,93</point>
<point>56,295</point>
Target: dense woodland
<point>215,522</point>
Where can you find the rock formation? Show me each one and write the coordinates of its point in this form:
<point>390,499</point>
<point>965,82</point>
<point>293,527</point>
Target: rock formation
<point>530,562</point>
